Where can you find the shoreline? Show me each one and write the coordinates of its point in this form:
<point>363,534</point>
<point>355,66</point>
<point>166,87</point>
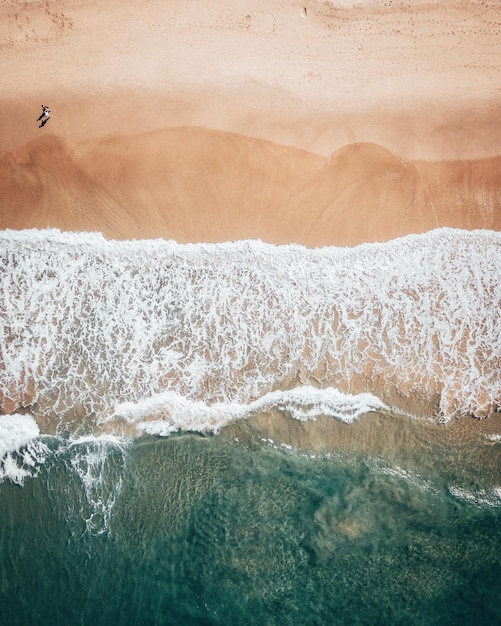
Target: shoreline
<point>194,184</point>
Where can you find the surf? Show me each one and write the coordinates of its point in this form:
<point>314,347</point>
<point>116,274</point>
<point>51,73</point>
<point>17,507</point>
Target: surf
<point>91,326</point>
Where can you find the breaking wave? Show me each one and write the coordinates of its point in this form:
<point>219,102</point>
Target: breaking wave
<point>21,452</point>
<point>92,328</point>
<point>167,412</point>
<point>93,467</point>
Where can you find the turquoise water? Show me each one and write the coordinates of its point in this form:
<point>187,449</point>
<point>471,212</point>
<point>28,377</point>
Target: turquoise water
<point>224,530</point>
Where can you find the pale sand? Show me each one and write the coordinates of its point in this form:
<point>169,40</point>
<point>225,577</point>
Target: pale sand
<point>422,81</point>
<point>138,91</point>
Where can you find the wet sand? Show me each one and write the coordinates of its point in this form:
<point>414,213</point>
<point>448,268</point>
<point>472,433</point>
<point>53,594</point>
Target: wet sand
<point>196,185</point>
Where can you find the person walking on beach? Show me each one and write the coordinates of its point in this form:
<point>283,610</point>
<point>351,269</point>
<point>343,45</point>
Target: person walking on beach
<point>44,116</point>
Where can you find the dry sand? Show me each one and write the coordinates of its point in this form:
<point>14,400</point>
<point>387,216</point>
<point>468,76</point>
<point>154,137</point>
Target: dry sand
<point>314,122</point>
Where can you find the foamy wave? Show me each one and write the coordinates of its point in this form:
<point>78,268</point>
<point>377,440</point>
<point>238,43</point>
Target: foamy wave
<point>167,412</point>
<point>90,324</point>
<point>16,431</point>
<point>95,466</point>
<point>98,466</point>
<point>494,438</point>
<point>482,497</point>
<point>413,478</point>
<point>21,453</point>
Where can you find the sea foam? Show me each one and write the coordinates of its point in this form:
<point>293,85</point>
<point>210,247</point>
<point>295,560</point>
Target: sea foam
<point>21,452</point>
<point>167,412</point>
<point>90,325</point>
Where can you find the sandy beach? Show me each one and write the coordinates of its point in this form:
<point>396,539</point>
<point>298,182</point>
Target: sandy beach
<point>321,123</point>
<point>198,424</point>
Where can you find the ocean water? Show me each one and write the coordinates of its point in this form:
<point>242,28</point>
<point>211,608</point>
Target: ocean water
<point>195,529</point>
<point>248,434</point>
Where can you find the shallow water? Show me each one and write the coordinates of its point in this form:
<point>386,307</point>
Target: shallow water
<point>234,529</point>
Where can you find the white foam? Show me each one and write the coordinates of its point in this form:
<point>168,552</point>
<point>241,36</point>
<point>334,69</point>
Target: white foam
<point>96,464</point>
<point>20,451</point>
<point>168,412</point>
<point>495,438</point>
<point>482,497</point>
<point>90,460</point>
<point>15,432</point>
<point>413,478</point>
<point>90,324</point>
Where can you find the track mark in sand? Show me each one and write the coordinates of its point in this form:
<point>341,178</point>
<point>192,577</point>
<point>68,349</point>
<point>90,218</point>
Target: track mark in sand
<point>34,23</point>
